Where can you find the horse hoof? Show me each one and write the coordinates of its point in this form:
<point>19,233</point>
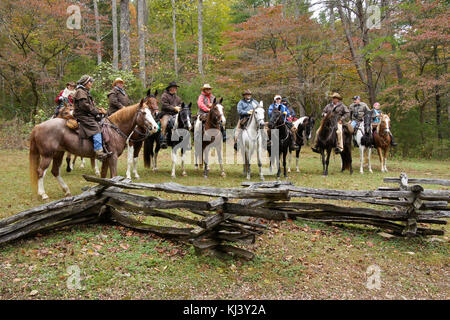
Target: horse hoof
<point>68,194</point>
<point>137,177</point>
<point>370,171</point>
<point>223,174</point>
<point>289,170</point>
<point>128,177</point>
<point>184,174</point>
<point>206,177</point>
<point>44,197</point>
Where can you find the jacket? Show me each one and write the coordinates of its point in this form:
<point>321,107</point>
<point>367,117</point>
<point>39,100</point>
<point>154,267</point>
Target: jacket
<point>118,99</point>
<point>203,101</point>
<point>168,103</point>
<point>85,112</point>
<point>244,106</point>
<point>340,108</point>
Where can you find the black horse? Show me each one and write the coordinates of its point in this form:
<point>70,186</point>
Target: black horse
<point>327,140</point>
<point>284,139</point>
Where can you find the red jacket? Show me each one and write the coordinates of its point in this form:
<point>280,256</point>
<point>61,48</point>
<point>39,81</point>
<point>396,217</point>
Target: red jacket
<point>203,101</point>
<point>60,94</point>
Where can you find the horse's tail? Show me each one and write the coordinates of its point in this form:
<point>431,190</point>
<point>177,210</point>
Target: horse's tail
<point>35,160</point>
<point>148,151</point>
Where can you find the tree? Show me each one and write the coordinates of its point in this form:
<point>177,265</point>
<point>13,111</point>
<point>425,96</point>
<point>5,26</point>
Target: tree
<point>97,33</point>
<point>115,37</point>
<point>174,36</point>
<point>141,32</point>
<point>200,37</point>
<point>125,55</point>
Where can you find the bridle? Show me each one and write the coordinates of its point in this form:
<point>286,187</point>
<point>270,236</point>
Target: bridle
<point>253,116</point>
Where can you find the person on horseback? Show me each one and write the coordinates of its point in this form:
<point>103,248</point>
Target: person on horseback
<point>117,97</point>
<point>245,110</point>
<point>170,106</point>
<point>376,116</point>
<point>205,102</point>
<point>66,96</point>
<point>278,103</point>
<point>292,113</point>
<point>357,111</point>
<point>86,113</point>
<point>335,106</point>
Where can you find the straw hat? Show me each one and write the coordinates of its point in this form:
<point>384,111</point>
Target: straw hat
<point>206,86</point>
<point>336,95</point>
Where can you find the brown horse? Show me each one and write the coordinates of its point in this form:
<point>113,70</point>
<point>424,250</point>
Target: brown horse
<point>382,140</point>
<point>50,139</point>
<point>210,137</point>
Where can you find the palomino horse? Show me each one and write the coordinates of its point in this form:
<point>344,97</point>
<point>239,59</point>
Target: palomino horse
<point>252,139</point>
<point>304,127</point>
<point>382,140</point>
<point>67,113</point>
<point>284,139</point>
<point>364,141</point>
<point>327,140</point>
<point>138,138</point>
<point>180,136</point>
<point>50,139</point>
<point>210,138</point>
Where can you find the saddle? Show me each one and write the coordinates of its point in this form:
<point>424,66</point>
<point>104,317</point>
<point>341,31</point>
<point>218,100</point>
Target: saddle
<point>244,122</point>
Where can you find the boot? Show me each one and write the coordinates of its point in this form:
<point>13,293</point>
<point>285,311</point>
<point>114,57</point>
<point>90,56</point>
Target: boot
<point>393,143</point>
<point>100,155</point>
<point>164,141</point>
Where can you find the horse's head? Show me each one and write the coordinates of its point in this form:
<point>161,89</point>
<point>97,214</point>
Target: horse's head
<point>185,117</point>
<point>276,118</point>
<point>217,105</point>
<point>309,126</point>
<point>367,122</point>
<point>151,100</point>
<point>385,123</point>
<point>145,118</point>
<point>258,114</point>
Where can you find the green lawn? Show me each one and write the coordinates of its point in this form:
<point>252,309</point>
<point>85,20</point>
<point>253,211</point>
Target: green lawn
<point>295,260</point>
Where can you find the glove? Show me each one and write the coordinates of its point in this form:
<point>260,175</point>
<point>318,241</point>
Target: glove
<point>102,111</point>
<point>177,109</point>
<point>61,98</point>
<point>250,112</point>
<point>285,113</point>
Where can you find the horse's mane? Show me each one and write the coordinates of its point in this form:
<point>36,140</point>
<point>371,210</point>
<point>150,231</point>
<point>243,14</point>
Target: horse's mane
<point>124,114</point>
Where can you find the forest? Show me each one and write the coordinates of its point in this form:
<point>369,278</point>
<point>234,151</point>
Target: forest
<point>387,51</point>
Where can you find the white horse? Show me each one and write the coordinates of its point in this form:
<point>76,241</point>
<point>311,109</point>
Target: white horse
<point>201,139</point>
<point>364,142</point>
<point>252,139</point>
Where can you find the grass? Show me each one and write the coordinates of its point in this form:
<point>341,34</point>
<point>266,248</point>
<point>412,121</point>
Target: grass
<point>295,260</point>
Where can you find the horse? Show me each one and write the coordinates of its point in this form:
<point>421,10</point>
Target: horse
<point>67,113</point>
<point>327,140</point>
<point>277,121</point>
<point>210,137</point>
<point>180,136</point>
<point>304,127</point>
<point>138,139</point>
<point>364,141</point>
<point>252,139</point>
<point>50,139</point>
<point>382,140</point>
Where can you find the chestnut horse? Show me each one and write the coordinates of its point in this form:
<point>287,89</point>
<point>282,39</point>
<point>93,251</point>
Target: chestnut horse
<point>50,139</point>
<point>382,140</point>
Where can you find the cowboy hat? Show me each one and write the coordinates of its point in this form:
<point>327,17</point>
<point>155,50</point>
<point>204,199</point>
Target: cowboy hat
<point>277,97</point>
<point>172,84</point>
<point>246,92</point>
<point>336,95</point>
<point>118,80</point>
<point>206,86</point>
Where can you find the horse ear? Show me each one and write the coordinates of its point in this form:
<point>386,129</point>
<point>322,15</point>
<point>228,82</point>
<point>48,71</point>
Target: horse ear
<point>279,107</point>
<point>190,105</point>
<point>215,101</point>
<point>221,100</point>
<point>149,92</point>
<point>182,105</point>
<point>141,104</point>
<point>156,92</point>
<point>389,114</point>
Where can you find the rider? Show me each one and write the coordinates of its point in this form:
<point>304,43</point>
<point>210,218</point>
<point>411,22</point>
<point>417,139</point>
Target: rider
<point>343,111</point>
<point>86,112</point>
<point>205,102</point>
<point>376,115</point>
<point>357,111</point>
<point>170,105</point>
<point>286,114</point>
<point>118,98</point>
<point>292,113</point>
<point>66,96</point>
<point>245,110</point>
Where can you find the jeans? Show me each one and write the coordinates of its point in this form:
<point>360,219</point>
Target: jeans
<point>98,146</point>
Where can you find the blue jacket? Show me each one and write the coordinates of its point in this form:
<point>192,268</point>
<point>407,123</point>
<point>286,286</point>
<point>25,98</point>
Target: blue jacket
<point>283,109</point>
<point>244,107</point>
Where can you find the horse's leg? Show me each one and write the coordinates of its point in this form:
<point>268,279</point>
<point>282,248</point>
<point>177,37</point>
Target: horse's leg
<point>82,165</point>
<point>297,159</point>
<point>112,162</point>
<point>174,162</point>
<point>45,163</point>
<point>258,155</point>
<point>289,160</point>
<point>284,163</point>
<point>386,152</point>
<point>130,160</point>
<point>184,174</point>
<point>322,153</point>
<point>94,164</point>
<point>327,161</point>
<point>380,155</point>
<point>137,149</point>
<point>361,153</point>
<point>57,161</point>
<point>68,168</point>
<point>369,152</point>
<point>219,155</point>
<point>205,162</point>
<point>105,165</point>
<point>155,156</point>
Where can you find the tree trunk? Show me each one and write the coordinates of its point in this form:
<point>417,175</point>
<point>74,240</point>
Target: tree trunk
<point>174,35</point>
<point>125,35</point>
<point>141,31</point>
<point>437,95</point>
<point>200,37</point>
<point>97,34</point>
<point>331,8</point>
<point>115,38</point>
